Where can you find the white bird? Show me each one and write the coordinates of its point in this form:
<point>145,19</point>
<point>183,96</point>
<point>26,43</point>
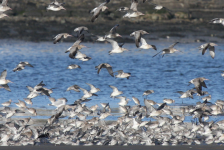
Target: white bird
<point>122,74</point>
<point>145,45</point>
<point>218,20</point>
<point>123,100</point>
<point>4,7</point>
<point>60,102</point>
<point>55,6</point>
<point>4,82</point>
<point>93,88</point>
<point>116,48</point>
<point>133,11</point>
<point>7,103</point>
<point>87,94</point>
<point>115,92</point>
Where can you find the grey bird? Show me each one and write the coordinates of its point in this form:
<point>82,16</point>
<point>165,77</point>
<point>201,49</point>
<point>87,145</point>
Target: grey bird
<point>6,104</point>
<point>4,82</point>
<point>96,11</point>
<point>21,66</point>
<point>198,83</point>
<point>133,11</point>
<point>79,30</point>
<point>73,66</point>
<point>138,34</point>
<point>122,74</point>
<point>112,33</point>
<point>4,7</point>
<point>74,87</point>
<point>55,6</point>
<point>75,47</point>
<point>59,37</point>
<point>210,46</point>
<point>148,92</point>
<point>168,50</point>
<point>107,66</point>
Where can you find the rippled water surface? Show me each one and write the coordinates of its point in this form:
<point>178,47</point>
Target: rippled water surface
<point>163,75</point>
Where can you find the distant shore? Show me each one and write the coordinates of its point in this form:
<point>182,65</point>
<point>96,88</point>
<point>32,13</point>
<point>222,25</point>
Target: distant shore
<point>29,20</point>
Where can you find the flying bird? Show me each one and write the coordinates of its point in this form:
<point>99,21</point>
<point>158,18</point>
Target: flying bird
<point>217,20</point>
<point>4,7</point>
<point>58,37</point>
<point>145,45</point>
<point>133,11</point>
<point>75,47</point>
<point>138,34</point>
<point>107,66</point>
<point>199,83</point>
<point>116,48</point>
<point>168,50</point>
<point>55,6</point>
<point>4,82</point>
<point>21,66</point>
<point>96,11</point>
<point>210,46</point>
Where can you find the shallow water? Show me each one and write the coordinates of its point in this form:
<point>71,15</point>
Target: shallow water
<point>163,75</point>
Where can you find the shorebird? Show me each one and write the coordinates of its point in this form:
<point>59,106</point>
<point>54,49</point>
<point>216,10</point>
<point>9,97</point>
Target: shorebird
<point>21,66</point>
<point>2,15</point>
<point>96,11</point>
<point>21,104</point>
<point>168,101</point>
<point>82,56</point>
<point>210,46</point>
<point>73,66</point>
<point>58,37</point>
<point>148,92</point>
<point>87,94</point>
<point>34,92</point>
<point>4,82</point>
<point>5,104</point>
<point>75,47</point>
<point>217,20</point>
<point>115,92</point>
<point>159,7</point>
<point>133,11</point>
<point>146,45</point>
<point>116,48</point>
<point>207,98</point>
<point>59,103</point>
<point>222,74</point>
<point>74,87</point>
<point>138,34</point>
<point>28,101</point>
<point>122,74</point>
<point>168,50</point>
<point>136,100</point>
<point>4,7</point>
<point>198,83</point>
<point>79,30</point>
<point>93,88</point>
<point>32,111</point>
<point>112,33</point>
<point>107,66</point>
<point>55,6</point>
<point>123,100</point>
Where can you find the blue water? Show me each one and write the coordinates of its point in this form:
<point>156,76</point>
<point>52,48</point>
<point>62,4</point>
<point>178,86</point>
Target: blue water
<point>163,75</point>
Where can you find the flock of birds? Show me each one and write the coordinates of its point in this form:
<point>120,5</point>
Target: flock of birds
<point>168,128</point>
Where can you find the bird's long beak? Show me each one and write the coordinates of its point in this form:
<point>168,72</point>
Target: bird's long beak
<point>189,83</point>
